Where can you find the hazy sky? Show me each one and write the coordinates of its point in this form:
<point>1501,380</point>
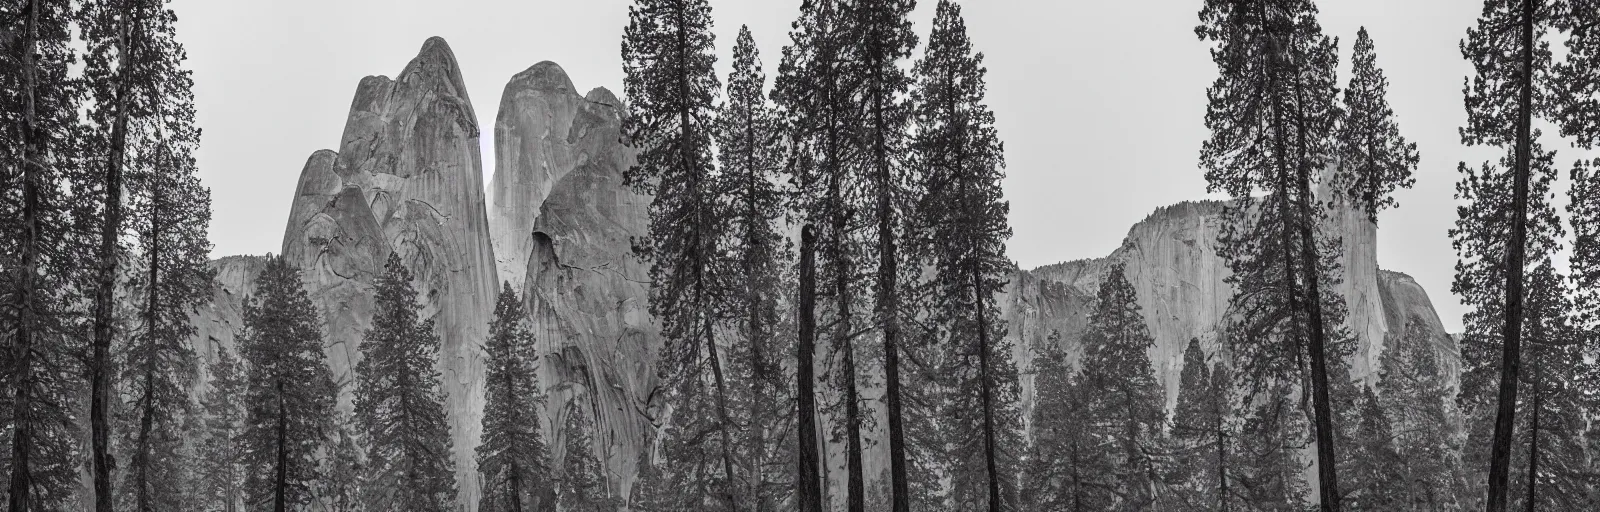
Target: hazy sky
<point>1100,103</point>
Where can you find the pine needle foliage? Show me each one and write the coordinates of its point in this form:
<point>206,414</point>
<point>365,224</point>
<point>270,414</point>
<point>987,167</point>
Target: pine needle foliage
<point>399,403</point>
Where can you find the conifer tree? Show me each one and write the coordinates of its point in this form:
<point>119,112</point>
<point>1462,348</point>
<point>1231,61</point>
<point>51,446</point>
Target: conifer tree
<point>1065,469</point>
<point>1575,81</point>
<point>399,404</point>
<point>289,392</point>
<point>1373,158</point>
<point>1269,470</point>
<point>1416,399</point>
<point>668,53</point>
<point>168,211</point>
<point>650,492</point>
<point>1482,241</point>
<point>1375,476</point>
<point>512,458</point>
<point>749,136</point>
<point>1271,113</point>
<point>1128,410</point>
<point>1509,62</point>
<point>884,38</point>
<point>42,250</point>
<point>817,88</point>
<point>582,485</point>
<point>962,220</point>
<point>808,457</point>
<point>221,453</point>
<point>340,491</point>
<point>1195,429</point>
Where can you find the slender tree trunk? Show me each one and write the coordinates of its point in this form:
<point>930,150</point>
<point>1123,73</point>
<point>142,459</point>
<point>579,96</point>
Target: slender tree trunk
<point>1533,437</point>
<point>888,305</point>
<point>987,380</point>
<point>106,282</point>
<point>754,325</point>
<point>280,484</point>
<point>855,484</point>
<point>722,416</point>
<point>1326,458</point>
<point>1077,483</point>
<point>1511,352</point>
<point>21,484</point>
<point>148,411</point>
<point>810,488</point>
<point>1222,466</point>
<point>516,420</point>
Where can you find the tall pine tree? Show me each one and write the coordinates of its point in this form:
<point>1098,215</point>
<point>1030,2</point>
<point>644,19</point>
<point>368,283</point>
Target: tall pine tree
<point>817,89</point>
<point>1127,412</point>
<point>512,458</point>
<point>1542,429</point>
<point>1416,399</point>
<point>1373,159</point>
<point>42,249</point>
<point>668,53</point>
<point>399,404</point>
<point>289,392</point>
<point>1065,469</point>
<point>582,484</point>
<point>221,454</point>
<point>1271,113</point>
<point>1200,431</point>
<point>1509,62</point>
<point>169,211</point>
<point>749,136</point>
<point>884,39</point>
<point>962,218</point>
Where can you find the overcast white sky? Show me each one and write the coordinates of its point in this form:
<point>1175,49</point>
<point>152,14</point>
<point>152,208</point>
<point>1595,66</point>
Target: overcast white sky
<point>1100,103</point>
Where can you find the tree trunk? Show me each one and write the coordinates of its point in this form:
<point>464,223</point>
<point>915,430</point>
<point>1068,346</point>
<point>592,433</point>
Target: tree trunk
<point>1511,352</point>
<point>148,411</point>
<point>280,482</point>
<point>987,385</point>
<point>105,285</point>
<point>888,300</point>
<point>1327,474</point>
<point>722,416</point>
<point>1222,465</point>
<point>1533,438</point>
<point>754,325</point>
<point>21,484</point>
<point>810,488</point>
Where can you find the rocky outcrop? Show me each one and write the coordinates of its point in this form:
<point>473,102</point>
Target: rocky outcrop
<point>408,178</point>
<point>563,224</point>
<point>1181,282</point>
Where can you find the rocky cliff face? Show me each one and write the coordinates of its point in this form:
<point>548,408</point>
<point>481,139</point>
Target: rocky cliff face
<point>563,223</point>
<point>1172,262</point>
<point>408,178</point>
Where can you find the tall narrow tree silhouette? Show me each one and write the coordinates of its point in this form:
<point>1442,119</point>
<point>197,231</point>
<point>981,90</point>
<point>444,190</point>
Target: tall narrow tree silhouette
<point>1064,470</point>
<point>1415,396</point>
<point>1271,113</point>
<point>962,219</point>
<point>42,250</point>
<point>513,459</point>
<point>668,53</point>
<point>289,392</point>
<point>1373,159</point>
<point>1509,61</point>
<point>1128,409</point>
<point>399,403</point>
<point>749,135</point>
<point>221,454</point>
<point>885,38</point>
<point>817,88</point>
